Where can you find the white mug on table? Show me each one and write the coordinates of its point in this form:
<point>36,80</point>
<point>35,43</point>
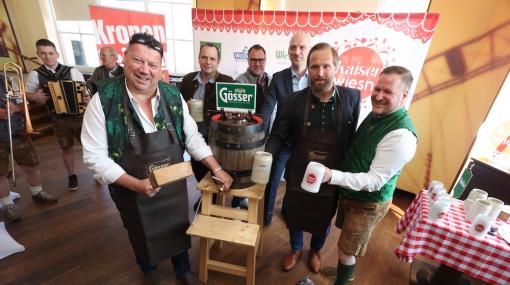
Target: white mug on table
<point>479,207</point>
<point>437,210</point>
<point>477,194</point>
<point>497,205</point>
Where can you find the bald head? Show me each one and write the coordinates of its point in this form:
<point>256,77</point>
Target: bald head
<point>108,56</point>
<point>299,45</point>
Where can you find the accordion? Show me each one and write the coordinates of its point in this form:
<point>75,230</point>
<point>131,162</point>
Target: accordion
<point>67,97</point>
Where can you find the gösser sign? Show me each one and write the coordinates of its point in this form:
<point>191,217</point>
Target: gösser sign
<point>236,97</point>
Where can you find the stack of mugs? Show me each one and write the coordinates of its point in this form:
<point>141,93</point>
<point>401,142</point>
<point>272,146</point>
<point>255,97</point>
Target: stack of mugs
<point>481,211</point>
<point>439,201</point>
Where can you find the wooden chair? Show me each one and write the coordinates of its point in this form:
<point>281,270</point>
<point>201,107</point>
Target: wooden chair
<point>225,224</point>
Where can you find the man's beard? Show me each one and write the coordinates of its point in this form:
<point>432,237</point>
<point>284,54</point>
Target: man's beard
<point>321,87</point>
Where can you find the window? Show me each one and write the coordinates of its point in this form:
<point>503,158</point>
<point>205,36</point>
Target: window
<point>79,40</point>
<point>78,43</point>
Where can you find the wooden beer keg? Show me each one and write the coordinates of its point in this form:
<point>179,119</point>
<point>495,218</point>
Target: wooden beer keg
<point>234,143</point>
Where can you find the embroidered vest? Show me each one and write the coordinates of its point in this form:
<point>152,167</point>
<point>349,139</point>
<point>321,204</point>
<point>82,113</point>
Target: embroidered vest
<point>362,152</point>
<point>115,117</point>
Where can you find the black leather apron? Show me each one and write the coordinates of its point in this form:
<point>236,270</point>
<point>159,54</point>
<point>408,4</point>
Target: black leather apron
<point>312,212</point>
<point>156,226</point>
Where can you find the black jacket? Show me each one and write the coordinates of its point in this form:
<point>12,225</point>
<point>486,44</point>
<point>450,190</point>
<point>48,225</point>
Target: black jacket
<point>189,86</point>
<point>288,128</point>
<point>277,93</point>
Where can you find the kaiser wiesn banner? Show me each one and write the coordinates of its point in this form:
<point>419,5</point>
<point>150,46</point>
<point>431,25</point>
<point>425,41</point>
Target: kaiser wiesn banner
<point>365,42</point>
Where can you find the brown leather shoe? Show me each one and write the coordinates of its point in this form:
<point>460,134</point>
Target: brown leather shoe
<point>291,259</point>
<point>314,261</point>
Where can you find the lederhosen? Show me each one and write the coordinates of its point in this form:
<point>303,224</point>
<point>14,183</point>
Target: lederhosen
<point>312,212</point>
<point>156,226</point>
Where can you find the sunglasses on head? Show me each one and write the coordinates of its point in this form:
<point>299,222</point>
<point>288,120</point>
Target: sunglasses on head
<point>151,42</point>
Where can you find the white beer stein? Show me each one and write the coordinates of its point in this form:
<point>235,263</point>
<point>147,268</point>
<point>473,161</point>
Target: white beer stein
<point>313,177</point>
<point>438,210</point>
<point>479,207</point>
<point>196,110</point>
<point>481,225</point>
<point>261,168</point>
<point>477,194</point>
<point>497,205</point>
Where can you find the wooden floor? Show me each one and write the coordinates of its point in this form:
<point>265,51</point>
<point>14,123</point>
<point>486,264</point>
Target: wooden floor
<point>80,240</point>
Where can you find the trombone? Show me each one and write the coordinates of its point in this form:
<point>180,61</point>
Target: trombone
<point>15,88</point>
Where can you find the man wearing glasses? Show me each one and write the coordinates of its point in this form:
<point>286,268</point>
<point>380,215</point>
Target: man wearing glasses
<point>136,123</point>
<point>255,74</point>
<point>202,85</point>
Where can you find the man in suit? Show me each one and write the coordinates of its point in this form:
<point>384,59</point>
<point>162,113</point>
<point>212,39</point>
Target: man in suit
<point>318,123</point>
<point>202,85</point>
<point>284,82</point>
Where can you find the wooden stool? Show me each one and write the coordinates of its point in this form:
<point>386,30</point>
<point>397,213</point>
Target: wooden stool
<point>223,223</point>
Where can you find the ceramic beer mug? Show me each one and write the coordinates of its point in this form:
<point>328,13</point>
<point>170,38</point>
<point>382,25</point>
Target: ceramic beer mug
<point>196,110</point>
<point>477,194</point>
<point>438,210</point>
<point>480,226</point>
<point>433,185</point>
<point>479,207</point>
<point>436,191</point>
<point>312,179</point>
<point>261,167</point>
<point>497,205</point>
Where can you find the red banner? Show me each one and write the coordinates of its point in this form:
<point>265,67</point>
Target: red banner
<point>114,27</point>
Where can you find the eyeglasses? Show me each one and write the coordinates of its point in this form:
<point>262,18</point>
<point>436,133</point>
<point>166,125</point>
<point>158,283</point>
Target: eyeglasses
<point>257,60</point>
<point>147,40</point>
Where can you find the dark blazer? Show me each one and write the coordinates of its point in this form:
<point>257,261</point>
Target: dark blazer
<point>289,126</point>
<point>189,86</point>
<point>277,92</point>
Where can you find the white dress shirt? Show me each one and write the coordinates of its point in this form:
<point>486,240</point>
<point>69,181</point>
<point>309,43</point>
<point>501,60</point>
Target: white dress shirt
<point>299,84</point>
<point>391,154</point>
<point>95,144</point>
<point>32,83</point>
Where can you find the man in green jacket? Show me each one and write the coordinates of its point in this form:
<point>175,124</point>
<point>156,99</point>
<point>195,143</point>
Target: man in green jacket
<point>385,141</point>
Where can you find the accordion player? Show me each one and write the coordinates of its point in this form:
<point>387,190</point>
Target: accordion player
<point>66,97</point>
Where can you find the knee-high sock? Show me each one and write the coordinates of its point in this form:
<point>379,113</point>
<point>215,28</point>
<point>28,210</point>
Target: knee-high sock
<point>344,273</point>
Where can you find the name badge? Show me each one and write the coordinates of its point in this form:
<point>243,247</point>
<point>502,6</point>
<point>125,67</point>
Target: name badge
<point>319,156</point>
<point>150,167</point>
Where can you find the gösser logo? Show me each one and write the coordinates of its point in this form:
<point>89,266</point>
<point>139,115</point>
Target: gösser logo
<point>311,178</point>
<point>236,97</point>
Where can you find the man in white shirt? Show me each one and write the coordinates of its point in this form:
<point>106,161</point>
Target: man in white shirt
<point>136,123</point>
<point>65,127</point>
<point>385,141</point>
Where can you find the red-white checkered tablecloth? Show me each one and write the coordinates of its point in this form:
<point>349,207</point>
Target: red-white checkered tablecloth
<point>448,242</point>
